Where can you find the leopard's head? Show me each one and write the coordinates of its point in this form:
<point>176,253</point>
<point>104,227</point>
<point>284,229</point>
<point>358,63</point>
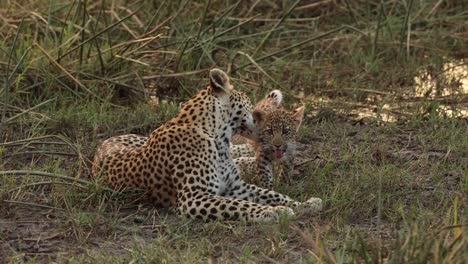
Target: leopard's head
<point>240,112</point>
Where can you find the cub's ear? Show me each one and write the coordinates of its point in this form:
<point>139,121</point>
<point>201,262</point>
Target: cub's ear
<point>298,116</point>
<point>276,97</point>
<point>258,118</point>
<point>219,81</point>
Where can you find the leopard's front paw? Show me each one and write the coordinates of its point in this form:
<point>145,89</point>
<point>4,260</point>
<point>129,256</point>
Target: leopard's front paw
<point>311,206</point>
<point>284,210</point>
<point>272,214</point>
<point>315,203</point>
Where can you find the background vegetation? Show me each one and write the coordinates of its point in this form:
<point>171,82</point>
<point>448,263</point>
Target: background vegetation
<point>385,140</point>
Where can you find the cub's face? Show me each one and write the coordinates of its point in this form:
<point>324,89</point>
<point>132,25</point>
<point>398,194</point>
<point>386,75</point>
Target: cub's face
<point>279,130</point>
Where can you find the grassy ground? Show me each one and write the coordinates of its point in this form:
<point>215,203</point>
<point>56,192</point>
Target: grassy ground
<point>385,141</point>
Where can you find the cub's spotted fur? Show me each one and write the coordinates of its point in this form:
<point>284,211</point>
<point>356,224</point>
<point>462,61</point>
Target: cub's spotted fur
<point>276,144</point>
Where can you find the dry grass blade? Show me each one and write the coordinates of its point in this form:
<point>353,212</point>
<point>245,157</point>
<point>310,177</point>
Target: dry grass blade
<point>260,68</point>
<point>450,227</point>
<point>146,41</point>
<point>434,8</point>
<point>41,152</point>
<point>159,26</point>
<point>47,183</point>
<point>125,45</point>
<point>179,74</point>
<point>260,19</point>
<point>115,81</point>
<point>132,60</point>
<point>313,5</point>
<point>44,174</point>
<point>22,141</point>
<point>130,31</point>
<point>33,204</point>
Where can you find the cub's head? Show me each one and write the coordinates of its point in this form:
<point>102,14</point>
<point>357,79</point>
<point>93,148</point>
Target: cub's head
<point>278,127</point>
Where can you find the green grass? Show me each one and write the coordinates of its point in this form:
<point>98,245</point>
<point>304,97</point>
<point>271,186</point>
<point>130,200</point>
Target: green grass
<point>76,72</point>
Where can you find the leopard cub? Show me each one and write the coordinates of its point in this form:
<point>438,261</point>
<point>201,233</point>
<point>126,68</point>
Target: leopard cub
<point>276,146</point>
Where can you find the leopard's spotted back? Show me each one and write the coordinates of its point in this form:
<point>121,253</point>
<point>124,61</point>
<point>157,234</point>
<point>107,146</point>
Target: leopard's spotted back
<point>115,145</point>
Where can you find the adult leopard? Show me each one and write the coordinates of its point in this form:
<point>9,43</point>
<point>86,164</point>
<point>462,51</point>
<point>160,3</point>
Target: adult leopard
<point>186,162</point>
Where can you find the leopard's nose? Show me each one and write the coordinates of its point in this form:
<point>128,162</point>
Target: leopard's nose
<point>277,145</point>
<point>277,142</point>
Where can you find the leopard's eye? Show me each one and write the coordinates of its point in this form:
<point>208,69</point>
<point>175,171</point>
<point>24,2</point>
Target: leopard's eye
<point>268,130</point>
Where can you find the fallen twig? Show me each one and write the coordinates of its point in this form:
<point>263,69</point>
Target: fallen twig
<point>33,204</point>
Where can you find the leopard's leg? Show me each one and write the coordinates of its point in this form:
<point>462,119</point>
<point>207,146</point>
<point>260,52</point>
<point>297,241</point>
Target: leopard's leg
<point>256,170</point>
<point>287,164</point>
<point>286,168</point>
<point>242,150</point>
<point>239,189</point>
<point>195,199</point>
<point>247,167</point>
<point>264,170</point>
<point>206,206</point>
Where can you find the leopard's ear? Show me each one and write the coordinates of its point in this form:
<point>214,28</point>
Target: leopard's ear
<point>259,117</point>
<point>219,81</point>
<point>276,97</point>
<point>298,116</point>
